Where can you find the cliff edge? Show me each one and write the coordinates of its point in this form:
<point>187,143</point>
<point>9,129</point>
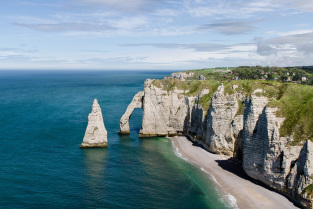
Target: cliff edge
<point>249,120</point>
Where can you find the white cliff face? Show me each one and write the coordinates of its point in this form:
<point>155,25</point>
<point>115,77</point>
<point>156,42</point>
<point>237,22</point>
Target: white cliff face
<point>300,176</point>
<point>253,137</point>
<point>263,150</point>
<point>182,75</point>
<point>136,103</point>
<point>164,112</point>
<point>196,127</point>
<point>96,134</point>
<point>267,156</point>
<point>217,132</point>
<point>236,133</point>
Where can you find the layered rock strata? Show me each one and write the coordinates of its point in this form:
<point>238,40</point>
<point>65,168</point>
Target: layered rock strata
<point>135,103</point>
<point>253,136</point>
<point>164,113</point>
<point>217,132</point>
<point>300,176</point>
<point>96,134</point>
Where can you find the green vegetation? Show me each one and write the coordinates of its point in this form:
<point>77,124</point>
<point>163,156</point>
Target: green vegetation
<point>205,100</point>
<point>169,84</point>
<point>301,74</point>
<point>218,74</point>
<point>308,190</point>
<point>281,85</point>
<point>295,104</point>
<point>247,87</point>
<point>191,88</point>
<point>241,108</point>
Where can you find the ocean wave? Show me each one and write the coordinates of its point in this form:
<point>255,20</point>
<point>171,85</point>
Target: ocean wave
<point>227,199</point>
<point>230,201</point>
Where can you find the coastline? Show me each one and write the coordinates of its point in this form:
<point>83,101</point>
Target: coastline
<point>230,177</point>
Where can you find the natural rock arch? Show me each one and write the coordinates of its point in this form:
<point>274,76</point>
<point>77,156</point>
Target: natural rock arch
<point>136,103</point>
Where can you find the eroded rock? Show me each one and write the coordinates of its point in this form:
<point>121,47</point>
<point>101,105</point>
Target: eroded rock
<point>135,103</point>
<point>96,134</point>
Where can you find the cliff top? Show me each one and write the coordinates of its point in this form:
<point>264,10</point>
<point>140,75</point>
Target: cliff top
<point>293,100</point>
<point>302,74</point>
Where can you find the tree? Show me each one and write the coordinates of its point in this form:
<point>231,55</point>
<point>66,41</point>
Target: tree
<point>269,76</point>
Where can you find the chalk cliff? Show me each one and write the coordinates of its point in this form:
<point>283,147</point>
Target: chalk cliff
<point>96,134</point>
<point>218,122</point>
<point>181,75</point>
<point>235,123</point>
<point>165,113</point>
<point>136,103</point>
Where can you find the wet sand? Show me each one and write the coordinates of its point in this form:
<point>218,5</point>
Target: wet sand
<point>232,178</point>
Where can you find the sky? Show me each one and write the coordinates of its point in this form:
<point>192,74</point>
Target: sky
<point>154,34</point>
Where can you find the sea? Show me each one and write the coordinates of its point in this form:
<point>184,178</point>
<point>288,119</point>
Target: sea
<point>43,118</point>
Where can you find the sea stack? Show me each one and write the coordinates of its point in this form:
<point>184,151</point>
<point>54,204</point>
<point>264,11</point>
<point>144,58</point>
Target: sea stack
<point>96,134</point>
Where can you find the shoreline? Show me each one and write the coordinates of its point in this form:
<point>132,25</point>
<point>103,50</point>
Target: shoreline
<point>231,178</point>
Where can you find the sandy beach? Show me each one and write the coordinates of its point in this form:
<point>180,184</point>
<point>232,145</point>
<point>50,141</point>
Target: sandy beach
<point>231,178</point>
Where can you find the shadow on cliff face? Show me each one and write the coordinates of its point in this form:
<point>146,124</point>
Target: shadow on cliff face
<point>234,166</point>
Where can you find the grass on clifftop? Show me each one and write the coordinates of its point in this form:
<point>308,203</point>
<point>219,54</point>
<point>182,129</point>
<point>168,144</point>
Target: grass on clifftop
<point>294,101</point>
<point>296,105</point>
<point>191,88</point>
<point>272,89</point>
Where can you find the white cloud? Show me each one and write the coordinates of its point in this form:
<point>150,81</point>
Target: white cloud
<point>297,44</point>
<point>302,5</point>
<point>229,27</point>
<point>289,33</point>
<point>228,9</point>
<point>27,19</point>
<point>129,22</point>
<point>60,27</point>
<point>126,6</point>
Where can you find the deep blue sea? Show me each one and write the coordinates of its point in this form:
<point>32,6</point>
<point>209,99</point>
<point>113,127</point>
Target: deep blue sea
<point>43,117</point>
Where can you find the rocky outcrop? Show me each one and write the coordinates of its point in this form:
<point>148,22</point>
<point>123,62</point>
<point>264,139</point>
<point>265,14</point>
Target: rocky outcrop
<point>164,113</point>
<point>218,122</point>
<point>196,127</point>
<point>253,136</point>
<point>236,133</point>
<point>96,134</point>
<point>300,176</point>
<point>181,75</point>
<point>202,77</point>
<point>135,103</point>
<point>268,157</point>
<point>263,149</point>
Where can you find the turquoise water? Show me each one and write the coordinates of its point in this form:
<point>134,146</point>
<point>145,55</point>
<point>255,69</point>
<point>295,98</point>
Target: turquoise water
<point>43,117</point>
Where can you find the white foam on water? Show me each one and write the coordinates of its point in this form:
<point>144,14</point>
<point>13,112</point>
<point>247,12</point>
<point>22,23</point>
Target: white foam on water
<point>230,201</point>
<point>227,199</point>
<point>212,177</point>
